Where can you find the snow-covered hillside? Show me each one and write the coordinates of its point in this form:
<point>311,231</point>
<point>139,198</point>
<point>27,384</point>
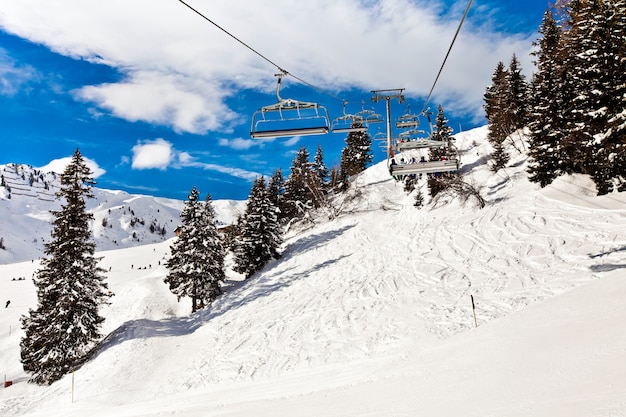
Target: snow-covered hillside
<point>121,220</point>
<point>370,314</point>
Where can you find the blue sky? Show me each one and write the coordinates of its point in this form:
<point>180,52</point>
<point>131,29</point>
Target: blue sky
<point>159,100</point>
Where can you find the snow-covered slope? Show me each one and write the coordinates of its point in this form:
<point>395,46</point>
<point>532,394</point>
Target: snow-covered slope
<point>370,314</point>
<point>120,219</point>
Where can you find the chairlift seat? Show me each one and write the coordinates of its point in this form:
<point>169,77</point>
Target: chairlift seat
<point>279,133</point>
<point>431,167</point>
<point>404,124</point>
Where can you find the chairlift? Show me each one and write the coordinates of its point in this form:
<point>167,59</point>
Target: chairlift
<point>369,116</point>
<point>414,139</point>
<point>406,144</point>
<point>408,120</point>
<point>448,163</point>
<point>348,123</point>
<point>400,171</point>
<point>380,135</point>
<point>289,117</point>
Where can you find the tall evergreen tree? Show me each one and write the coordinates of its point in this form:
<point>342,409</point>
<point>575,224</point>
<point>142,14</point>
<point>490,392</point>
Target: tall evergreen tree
<point>496,100</point>
<point>320,169</point>
<point>70,286</point>
<point>442,132</point>
<point>260,234</point>
<point>276,194</point>
<point>213,271</point>
<point>357,154</point>
<point>499,158</point>
<point>594,70</point>
<point>546,126</point>
<point>506,106</point>
<point>302,186</point>
<point>517,96</point>
<point>196,265</point>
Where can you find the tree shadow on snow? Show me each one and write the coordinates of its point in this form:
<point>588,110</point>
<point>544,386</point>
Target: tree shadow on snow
<point>235,296</point>
<point>313,241</point>
<point>607,267</point>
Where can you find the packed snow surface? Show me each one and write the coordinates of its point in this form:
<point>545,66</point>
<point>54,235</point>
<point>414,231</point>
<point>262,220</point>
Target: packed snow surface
<point>370,314</point>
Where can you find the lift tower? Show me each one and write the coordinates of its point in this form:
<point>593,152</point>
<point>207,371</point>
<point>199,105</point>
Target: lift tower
<point>388,95</point>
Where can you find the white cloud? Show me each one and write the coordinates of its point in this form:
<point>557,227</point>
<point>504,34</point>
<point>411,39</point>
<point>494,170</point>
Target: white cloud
<point>59,165</point>
<point>180,70</point>
<point>13,77</point>
<point>240,143</point>
<point>184,158</point>
<point>169,99</point>
<point>291,142</point>
<point>235,172</point>
<point>149,154</point>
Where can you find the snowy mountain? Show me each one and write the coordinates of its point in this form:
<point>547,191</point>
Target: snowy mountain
<point>121,220</point>
<point>370,314</point>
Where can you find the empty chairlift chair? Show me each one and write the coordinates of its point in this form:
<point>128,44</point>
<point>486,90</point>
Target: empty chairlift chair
<point>347,123</point>
<point>289,117</point>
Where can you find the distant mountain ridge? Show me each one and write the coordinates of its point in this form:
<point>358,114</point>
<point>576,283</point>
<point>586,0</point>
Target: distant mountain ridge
<point>121,220</point>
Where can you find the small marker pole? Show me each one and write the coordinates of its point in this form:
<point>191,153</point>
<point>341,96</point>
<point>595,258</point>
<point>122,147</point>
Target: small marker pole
<point>474,310</point>
<point>72,385</point>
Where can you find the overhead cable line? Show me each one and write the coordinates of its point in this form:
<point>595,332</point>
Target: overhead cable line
<point>282,70</point>
<point>447,54</point>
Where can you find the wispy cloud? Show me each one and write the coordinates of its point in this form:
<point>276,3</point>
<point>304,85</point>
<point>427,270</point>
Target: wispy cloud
<point>235,172</point>
<point>240,143</point>
<point>161,154</point>
<point>13,77</point>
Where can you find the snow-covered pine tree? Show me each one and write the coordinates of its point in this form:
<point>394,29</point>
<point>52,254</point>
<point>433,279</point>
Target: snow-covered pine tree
<point>615,144</point>
<point>547,103</point>
<point>260,234</point>
<point>595,71</point>
<point>64,326</point>
<point>500,157</point>
<point>517,96</point>
<point>276,194</point>
<point>442,132</point>
<point>496,100</point>
<point>357,154</point>
<point>320,168</point>
<point>301,193</point>
<point>196,264</point>
<point>213,273</point>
